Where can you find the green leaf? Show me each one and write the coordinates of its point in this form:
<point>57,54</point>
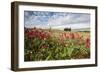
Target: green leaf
<point>49,56</point>
<point>70,50</point>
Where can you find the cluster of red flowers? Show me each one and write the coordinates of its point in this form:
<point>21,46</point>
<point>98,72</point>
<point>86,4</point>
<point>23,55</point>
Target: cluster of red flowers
<point>44,46</point>
<point>71,35</point>
<point>88,43</point>
<point>44,35</point>
<point>38,33</point>
<point>65,35</point>
<point>75,36</point>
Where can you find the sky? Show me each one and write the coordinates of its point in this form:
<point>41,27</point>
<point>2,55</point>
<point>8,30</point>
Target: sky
<point>56,20</point>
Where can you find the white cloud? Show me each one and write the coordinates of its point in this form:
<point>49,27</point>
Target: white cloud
<point>43,19</point>
<point>70,19</point>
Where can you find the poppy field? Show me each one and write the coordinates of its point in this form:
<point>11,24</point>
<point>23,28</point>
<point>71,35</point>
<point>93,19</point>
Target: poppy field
<point>52,44</point>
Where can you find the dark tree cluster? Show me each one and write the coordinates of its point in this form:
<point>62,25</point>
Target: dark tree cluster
<point>67,29</point>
